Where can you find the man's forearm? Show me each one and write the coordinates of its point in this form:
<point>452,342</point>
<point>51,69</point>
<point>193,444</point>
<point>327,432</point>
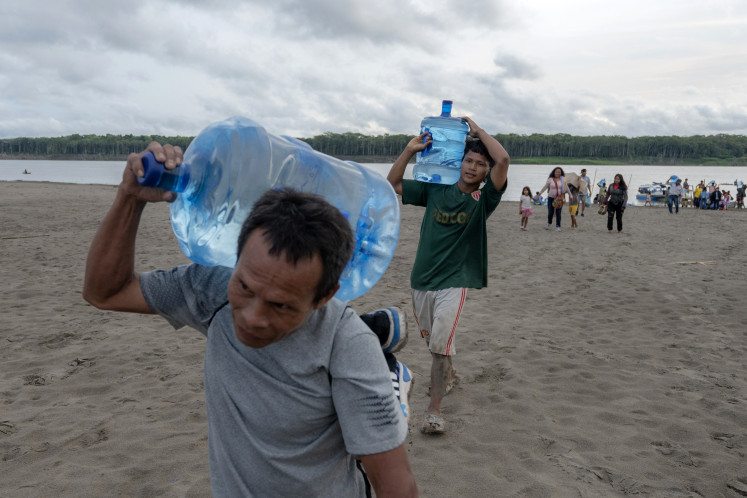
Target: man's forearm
<point>495,149</point>
<point>111,257</point>
<point>397,172</point>
<point>390,473</point>
<point>499,171</point>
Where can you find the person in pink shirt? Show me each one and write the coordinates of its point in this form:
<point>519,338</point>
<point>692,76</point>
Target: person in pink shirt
<point>555,187</point>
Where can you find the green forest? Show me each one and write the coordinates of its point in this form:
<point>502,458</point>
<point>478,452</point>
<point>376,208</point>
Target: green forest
<point>560,148</point>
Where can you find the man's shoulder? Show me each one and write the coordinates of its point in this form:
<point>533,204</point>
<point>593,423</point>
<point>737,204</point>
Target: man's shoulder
<point>187,294</point>
<point>414,192</point>
<point>207,277</point>
<point>490,194</point>
<point>417,184</point>
<point>334,312</point>
<point>212,279</point>
<point>334,318</point>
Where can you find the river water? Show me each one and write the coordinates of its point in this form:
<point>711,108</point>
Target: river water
<point>519,175</point>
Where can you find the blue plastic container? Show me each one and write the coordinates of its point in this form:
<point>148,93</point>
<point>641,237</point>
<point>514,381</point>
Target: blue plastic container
<point>230,164</point>
<point>441,162</point>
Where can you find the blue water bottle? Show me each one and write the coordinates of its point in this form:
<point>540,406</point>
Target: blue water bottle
<point>441,162</point>
<point>230,164</point>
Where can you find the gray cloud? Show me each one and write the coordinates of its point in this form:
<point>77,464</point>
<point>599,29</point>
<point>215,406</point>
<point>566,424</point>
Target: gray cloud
<point>303,67</point>
<point>386,22</point>
<point>513,67</point>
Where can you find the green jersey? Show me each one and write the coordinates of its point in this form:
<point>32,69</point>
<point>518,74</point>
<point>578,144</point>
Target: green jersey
<point>453,248</point>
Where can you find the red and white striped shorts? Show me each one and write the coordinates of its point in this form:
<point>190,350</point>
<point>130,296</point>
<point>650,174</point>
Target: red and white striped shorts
<point>437,314</point>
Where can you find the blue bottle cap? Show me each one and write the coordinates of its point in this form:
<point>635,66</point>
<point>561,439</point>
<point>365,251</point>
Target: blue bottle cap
<point>152,171</point>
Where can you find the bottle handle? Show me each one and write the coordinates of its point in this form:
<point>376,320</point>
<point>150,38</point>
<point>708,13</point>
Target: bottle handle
<point>425,139</point>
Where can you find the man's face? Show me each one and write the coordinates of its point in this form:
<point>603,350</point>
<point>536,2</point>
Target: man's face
<point>270,297</point>
<point>474,168</point>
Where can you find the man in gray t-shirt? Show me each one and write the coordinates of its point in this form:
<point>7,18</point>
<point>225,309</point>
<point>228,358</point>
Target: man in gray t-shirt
<point>295,382</point>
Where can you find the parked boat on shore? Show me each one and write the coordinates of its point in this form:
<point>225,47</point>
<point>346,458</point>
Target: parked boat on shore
<point>658,190</point>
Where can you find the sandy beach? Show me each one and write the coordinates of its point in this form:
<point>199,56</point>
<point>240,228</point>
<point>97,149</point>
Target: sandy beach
<point>593,365</point>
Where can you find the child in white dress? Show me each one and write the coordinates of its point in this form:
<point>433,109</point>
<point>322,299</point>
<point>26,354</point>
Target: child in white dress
<point>525,206</point>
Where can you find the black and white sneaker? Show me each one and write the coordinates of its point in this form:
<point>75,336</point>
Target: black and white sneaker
<point>390,326</point>
<point>402,384</point>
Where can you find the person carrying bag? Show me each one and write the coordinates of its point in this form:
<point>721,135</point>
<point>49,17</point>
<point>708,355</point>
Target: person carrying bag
<point>555,187</point>
<point>616,199</point>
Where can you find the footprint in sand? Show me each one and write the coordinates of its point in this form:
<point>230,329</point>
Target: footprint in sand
<point>34,380</point>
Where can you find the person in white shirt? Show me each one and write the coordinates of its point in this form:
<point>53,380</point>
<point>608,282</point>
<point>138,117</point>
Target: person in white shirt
<point>675,192</point>
<point>525,206</point>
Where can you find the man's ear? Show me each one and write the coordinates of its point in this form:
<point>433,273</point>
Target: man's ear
<point>326,298</point>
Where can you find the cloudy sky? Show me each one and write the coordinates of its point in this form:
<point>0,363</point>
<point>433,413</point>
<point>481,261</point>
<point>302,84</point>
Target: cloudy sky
<point>303,67</point>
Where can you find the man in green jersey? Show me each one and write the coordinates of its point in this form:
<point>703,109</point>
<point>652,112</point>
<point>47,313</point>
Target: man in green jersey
<point>452,253</point>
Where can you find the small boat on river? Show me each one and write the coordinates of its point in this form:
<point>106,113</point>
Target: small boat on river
<point>658,190</point>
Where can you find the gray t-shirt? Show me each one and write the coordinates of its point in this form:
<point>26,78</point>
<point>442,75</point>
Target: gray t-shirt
<point>284,420</point>
<point>583,193</point>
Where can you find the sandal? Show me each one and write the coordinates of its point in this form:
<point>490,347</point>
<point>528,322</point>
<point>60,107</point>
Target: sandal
<point>432,424</point>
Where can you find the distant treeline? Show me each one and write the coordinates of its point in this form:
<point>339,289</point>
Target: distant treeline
<point>85,146</point>
<point>673,149</point>
<point>697,149</point>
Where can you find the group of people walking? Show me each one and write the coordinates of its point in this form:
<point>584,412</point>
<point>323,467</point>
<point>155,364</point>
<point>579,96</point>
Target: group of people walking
<point>711,197</point>
<point>704,196</point>
<point>573,190</point>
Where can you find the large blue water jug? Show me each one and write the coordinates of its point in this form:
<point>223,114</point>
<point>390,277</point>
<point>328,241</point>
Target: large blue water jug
<point>441,162</point>
<point>230,164</point>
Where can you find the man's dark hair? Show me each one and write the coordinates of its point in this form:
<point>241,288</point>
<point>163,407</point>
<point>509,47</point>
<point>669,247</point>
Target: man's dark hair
<point>301,225</point>
<point>479,147</point>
